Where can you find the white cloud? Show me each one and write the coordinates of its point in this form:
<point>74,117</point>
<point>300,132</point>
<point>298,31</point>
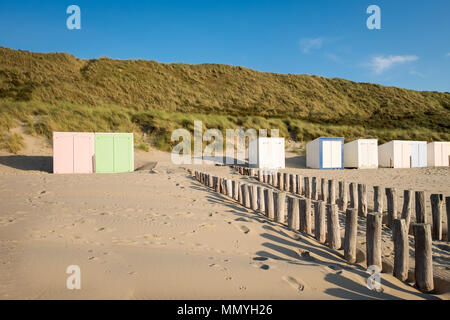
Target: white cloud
<point>416,73</point>
<point>448,54</point>
<point>308,44</point>
<point>333,57</point>
<point>380,64</point>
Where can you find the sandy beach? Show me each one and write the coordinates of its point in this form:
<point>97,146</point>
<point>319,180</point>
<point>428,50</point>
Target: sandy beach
<point>160,234</point>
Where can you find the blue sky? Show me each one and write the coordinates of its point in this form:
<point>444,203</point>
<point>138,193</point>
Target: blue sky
<point>327,38</point>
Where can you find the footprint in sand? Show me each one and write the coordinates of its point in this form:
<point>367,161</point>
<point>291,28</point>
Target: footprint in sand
<point>294,283</point>
<point>218,267</point>
<point>261,265</point>
<point>244,229</point>
<point>305,255</point>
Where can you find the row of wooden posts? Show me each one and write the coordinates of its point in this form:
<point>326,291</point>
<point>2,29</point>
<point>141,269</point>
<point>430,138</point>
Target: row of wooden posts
<point>271,203</point>
<point>354,195</point>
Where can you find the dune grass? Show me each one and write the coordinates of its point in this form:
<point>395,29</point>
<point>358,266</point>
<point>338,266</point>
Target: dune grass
<point>59,92</point>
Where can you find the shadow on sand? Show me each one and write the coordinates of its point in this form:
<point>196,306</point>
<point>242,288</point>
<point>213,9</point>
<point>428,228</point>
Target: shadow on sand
<point>28,163</point>
<point>281,245</point>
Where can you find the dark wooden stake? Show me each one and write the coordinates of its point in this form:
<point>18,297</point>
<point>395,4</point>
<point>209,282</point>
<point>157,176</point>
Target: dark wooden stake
<point>261,201</point>
<point>351,230</point>
<point>401,249</point>
<point>305,215</point>
<point>362,200</point>
<point>373,239</point>
<point>343,195</point>
<point>406,211</point>
<point>391,198</point>
<point>331,191</point>
<point>293,213</point>
<point>269,205</point>
<point>353,196</point>
<point>437,201</point>
<point>280,201</point>
<point>421,216</point>
<point>314,192</point>
<point>423,270</point>
<point>334,233</point>
<point>319,221</point>
<point>307,188</point>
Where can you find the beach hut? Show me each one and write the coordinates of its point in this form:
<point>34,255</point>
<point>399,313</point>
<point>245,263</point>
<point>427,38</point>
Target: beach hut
<point>418,154</point>
<point>114,152</point>
<point>403,154</point>
<point>73,152</point>
<point>438,154</point>
<point>266,153</point>
<point>361,153</point>
<point>325,153</point>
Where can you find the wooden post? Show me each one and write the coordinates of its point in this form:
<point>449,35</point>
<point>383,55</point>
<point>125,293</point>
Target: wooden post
<point>222,186</point>
<point>373,239</point>
<point>299,184</point>
<point>216,184</point>
<point>236,188</point>
<point>279,201</point>
<point>362,200</point>
<point>293,213</point>
<point>447,208</point>
<point>401,249</point>
<point>333,229</point>
<point>421,216</point>
<point>274,179</point>
<point>305,215</point>
<point>314,194</point>
<point>331,191</point>
<point>406,211</point>
<point>229,188</point>
<point>323,189</point>
<point>210,181</point>
<point>351,230</point>
<point>242,194</point>
<point>293,183</point>
<point>377,200</point>
<point>286,182</point>
<point>254,198</point>
<point>261,201</point>
<point>319,221</point>
<point>423,270</point>
<point>343,195</point>
<point>268,198</point>
<point>280,182</point>
<point>391,198</point>
<point>436,209</point>
<point>353,196</point>
<point>307,188</point>
<point>246,195</point>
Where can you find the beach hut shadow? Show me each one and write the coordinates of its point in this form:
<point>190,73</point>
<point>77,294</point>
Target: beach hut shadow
<point>28,163</point>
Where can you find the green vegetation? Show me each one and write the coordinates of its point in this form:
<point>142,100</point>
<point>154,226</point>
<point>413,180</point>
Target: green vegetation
<point>58,92</point>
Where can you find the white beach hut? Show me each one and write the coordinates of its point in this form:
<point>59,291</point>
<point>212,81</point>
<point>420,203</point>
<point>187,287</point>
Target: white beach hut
<point>438,154</point>
<point>403,154</point>
<point>266,153</point>
<point>325,153</point>
<point>361,153</point>
<point>418,154</point>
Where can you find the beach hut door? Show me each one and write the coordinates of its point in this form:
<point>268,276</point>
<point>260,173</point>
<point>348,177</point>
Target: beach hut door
<point>332,154</point>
